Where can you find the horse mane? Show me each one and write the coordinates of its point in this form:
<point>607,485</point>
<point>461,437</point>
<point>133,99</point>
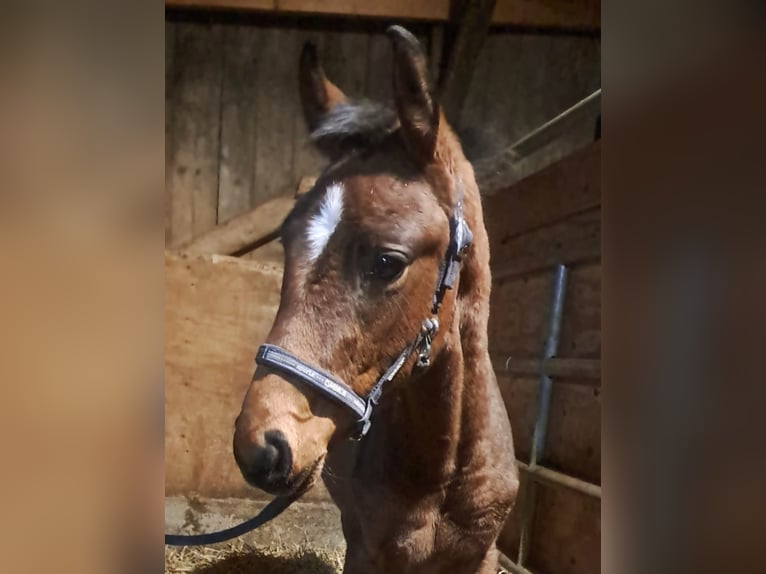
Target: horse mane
<point>365,124</point>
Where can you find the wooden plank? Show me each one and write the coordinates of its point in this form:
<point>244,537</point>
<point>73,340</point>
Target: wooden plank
<point>566,538</point>
<point>566,188</point>
<point>557,14</point>
<point>474,108</point>
<point>398,9</point>
<point>378,84</point>
<point>562,14</point>
<point>239,118</point>
<point>574,240</point>
<point>344,59</point>
<point>193,167</point>
<point>581,329</point>
<point>472,24</point>
<point>520,307</point>
<point>245,232</point>
<point>218,310</point>
<point>307,160</point>
<point>277,102</point>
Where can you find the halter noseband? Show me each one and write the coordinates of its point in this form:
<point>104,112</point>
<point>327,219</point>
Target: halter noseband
<point>280,360</point>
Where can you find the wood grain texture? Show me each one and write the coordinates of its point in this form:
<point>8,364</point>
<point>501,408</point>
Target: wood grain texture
<point>471,26</point>
<point>217,311</point>
<point>193,167</point>
<point>244,232</point>
<point>566,188</point>
<point>239,118</point>
<point>573,240</point>
<point>566,536</point>
<point>519,311</point>
<point>378,84</point>
<point>307,161</point>
<point>277,109</point>
<point>556,14</point>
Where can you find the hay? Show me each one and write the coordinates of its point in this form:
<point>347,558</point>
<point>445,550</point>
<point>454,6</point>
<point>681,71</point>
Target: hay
<point>240,558</point>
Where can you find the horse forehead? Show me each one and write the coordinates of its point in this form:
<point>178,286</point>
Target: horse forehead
<point>387,195</point>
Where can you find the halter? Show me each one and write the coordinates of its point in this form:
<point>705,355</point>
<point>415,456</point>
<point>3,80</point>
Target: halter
<point>282,361</point>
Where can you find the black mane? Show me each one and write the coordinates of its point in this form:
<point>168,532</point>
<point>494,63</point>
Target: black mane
<point>365,124</point>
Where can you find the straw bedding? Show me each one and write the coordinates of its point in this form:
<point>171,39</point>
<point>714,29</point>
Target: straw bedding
<point>240,558</point>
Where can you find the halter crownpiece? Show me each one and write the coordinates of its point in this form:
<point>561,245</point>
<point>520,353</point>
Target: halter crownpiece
<point>282,361</point>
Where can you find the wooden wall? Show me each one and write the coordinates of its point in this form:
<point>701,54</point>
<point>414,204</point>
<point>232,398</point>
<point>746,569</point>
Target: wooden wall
<point>552,217</point>
<point>235,135</point>
<point>235,138</point>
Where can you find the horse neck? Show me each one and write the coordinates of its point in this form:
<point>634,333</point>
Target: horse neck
<point>427,423</point>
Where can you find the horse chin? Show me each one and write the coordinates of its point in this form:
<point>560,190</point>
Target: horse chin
<point>302,482</point>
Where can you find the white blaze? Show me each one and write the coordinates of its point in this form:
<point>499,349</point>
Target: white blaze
<point>322,225</point>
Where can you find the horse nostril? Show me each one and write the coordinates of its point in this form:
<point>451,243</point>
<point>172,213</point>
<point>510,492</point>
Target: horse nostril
<point>283,459</point>
<point>269,466</point>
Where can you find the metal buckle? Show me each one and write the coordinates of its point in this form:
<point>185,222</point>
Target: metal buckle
<point>428,331</point>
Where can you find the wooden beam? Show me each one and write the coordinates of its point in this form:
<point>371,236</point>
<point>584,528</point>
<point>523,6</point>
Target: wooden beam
<point>583,15</point>
<point>561,190</point>
<point>244,233</point>
<point>472,20</point>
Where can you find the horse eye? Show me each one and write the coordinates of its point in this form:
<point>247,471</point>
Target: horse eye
<point>388,266</point>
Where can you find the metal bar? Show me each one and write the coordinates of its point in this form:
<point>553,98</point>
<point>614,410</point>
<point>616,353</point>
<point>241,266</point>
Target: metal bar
<point>589,369</point>
<point>542,474</point>
<point>510,565</point>
<point>543,410</point>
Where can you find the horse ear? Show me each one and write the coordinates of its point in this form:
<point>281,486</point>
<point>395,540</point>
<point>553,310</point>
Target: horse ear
<point>418,112</point>
<point>318,94</point>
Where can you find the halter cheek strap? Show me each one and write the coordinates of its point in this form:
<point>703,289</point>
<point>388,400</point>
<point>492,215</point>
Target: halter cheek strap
<point>282,361</point>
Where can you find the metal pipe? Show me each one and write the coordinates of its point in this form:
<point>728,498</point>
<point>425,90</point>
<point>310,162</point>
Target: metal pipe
<point>543,474</point>
<point>589,369</point>
<point>543,410</point>
<point>510,565</point>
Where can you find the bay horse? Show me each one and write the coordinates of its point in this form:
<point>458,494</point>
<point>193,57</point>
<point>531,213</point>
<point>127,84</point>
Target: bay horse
<point>381,336</point>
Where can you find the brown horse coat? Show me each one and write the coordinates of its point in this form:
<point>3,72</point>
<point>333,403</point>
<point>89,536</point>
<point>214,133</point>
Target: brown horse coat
<point>431,485</point>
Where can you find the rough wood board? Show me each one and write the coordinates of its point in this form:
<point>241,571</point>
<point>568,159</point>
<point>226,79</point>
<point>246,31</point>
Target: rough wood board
<point>217,311</point>
<point>581,329</point>
<point>519,311</point>
<point>573,443</point>
<point>252,228</point>
<point>566,537</point>
<point>307,161</point>
<point>399,9</point>
<point>471,23</point>
<point>378,84</point>
<point>573,240</point>
<point>196,104</point>
<point>566,188</point>
<point>277,109</point>
<point>344,58</point>
<point>239,118</point>
<point>563,14</point>
<point>566,14</point>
